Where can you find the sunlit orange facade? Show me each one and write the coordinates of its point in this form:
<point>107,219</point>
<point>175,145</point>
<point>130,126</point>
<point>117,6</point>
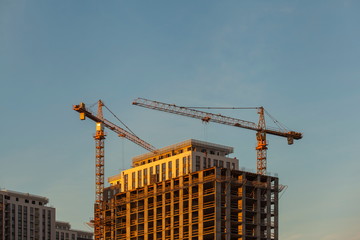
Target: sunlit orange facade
<point>194,191</point>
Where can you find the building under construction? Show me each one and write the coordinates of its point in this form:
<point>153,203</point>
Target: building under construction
<point>190,190</point>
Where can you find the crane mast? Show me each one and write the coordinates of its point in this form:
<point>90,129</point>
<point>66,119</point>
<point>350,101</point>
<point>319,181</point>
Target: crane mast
<point>261,148</point>
<point>260,128</point>
<point>99,138</point>
<point>99,172</point>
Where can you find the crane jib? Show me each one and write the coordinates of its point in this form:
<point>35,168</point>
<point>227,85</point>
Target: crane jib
<point>210,117</point>
<point>260,128</point>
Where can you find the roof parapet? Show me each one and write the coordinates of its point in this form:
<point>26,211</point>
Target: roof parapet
<point>45,200</point>
<point>193,142</point>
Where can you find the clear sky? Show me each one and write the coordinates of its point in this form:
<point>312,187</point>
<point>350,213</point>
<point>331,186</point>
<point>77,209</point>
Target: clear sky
<point>298,59</point>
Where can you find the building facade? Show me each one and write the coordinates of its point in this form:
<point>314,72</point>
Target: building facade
<point>174,161</point>
<point>25,216</point>
<point>205,200</point>
<point>64,232</point>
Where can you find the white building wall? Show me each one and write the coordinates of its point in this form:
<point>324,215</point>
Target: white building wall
<point>180,162</point>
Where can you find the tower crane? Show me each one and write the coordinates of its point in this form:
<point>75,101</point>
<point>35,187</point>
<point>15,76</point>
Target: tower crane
<point>260,127</point>
<point>99,137</point>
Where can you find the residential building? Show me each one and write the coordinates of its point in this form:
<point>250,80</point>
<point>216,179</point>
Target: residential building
<point>28,216</point>
<point>64,232</point>
<point>191,190</point>
<point>25,216</point>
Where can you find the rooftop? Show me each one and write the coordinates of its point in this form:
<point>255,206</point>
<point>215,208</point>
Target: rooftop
<point>189,142</point>
<point>44,200</point>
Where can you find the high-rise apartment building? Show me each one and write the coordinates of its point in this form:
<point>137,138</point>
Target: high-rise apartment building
<point>191,190</point>
<point>25,216</point>
<point>64,232</point>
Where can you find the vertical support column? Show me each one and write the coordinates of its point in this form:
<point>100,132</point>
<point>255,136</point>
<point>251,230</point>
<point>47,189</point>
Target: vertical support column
<point>228,204</point>
<point>269,191</point>
<point>181,208</point>
<point>172,209</point>
<point>2,217</point>
<point>113,217</point>
<point>128,214</point>
<point>163,202</point>
<point>146,211</point>
<point>259,199</point>
<point>190,206</point>
<point>243,204</point>
<point>201,205</point>
<point>155,210</point>
<point>217,204</point>
<point>276,209</point>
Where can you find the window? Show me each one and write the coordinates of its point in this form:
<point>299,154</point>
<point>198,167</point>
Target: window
<point>170,169</point>
<point>204,161</point>
<point>152,175</point>
<point>126,182</point>
<point>209,162</point>
<point>139,178</point>
<point>189,169</point>
<point>133,180</point>
<point>163,171</point>
<point>197,164</point>
<point>221,163</point>
<point>145,176</point>
<point>177,167</point>
<point>157,168</point>
<point>233,165</point>
<point>228,165</point>
<point>215,162</point>
<point>184,165</point>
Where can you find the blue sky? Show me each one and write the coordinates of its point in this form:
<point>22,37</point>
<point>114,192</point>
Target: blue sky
<point>298,59</point>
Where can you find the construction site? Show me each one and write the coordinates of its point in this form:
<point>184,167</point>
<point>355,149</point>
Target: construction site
<point>188,190</point>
